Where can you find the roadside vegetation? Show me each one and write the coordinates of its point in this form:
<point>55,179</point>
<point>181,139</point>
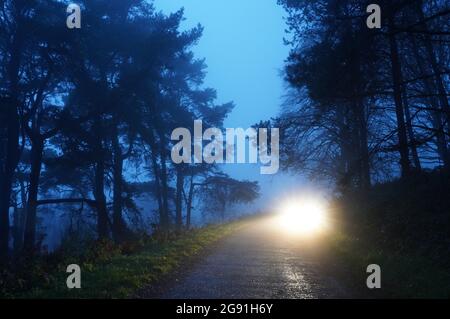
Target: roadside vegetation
<point>110,270</point>
<point>401,226</point>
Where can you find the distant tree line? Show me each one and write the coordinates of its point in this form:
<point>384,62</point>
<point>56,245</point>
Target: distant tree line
<point>366,105</point>
<point>86,116</point>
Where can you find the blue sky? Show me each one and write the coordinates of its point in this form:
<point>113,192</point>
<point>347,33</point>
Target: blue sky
<point>243,46</point>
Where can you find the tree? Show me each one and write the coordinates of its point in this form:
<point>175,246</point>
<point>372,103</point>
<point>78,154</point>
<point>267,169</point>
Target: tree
<point>349,129</point>
<point>27,68</point>
<point>220,191</point>
<point>82,108</point>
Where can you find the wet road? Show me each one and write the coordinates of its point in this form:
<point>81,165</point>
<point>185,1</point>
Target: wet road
<point>256,262</point>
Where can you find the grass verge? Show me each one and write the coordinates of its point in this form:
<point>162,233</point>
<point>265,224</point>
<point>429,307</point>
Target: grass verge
<point>403,274</point>
<point>122,275</point>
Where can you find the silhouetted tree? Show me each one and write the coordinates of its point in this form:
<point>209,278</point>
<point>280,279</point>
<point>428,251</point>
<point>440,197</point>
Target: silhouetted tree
<point>81,107</point>
<point>349,82</point>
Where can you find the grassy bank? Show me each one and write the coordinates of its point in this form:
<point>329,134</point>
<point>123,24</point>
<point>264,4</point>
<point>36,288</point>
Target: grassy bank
<point>403,226</point>
<point>117,273</point>
<point>403,274</point>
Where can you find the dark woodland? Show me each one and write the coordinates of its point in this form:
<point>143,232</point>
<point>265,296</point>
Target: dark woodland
<point>86,118</point>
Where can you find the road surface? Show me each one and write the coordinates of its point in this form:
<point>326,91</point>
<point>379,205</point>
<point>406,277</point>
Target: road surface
<point>258,261</point>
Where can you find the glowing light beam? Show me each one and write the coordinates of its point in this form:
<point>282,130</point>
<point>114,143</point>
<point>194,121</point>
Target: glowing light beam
<point>302,217</point>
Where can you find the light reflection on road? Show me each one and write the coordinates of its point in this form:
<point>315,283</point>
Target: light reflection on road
<point>258,261</point>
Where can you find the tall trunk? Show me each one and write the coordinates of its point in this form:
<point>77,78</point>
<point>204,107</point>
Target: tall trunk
<point>33,189</point>
<point>178,199</point>
<point>102,212</point>
<point>160,169</point>
<point>119,226</point>
<point>150,139</point>
<point>8,166</point>
<point>99,182</point>
<point>399,111</point>
<point>12,152</point>
<point>361,118</point>
<point>344,174</point>
<point>18,228</point>
<point>411,135</point>
<point>20,220</point>
<point>160,173</point>
<point>157,186</point>
<point>363,146</point>
<point>189,202</point>
<point>165,222</point>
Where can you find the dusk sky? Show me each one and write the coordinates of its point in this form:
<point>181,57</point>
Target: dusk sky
<point>243,46</point>
<point>250,76</point>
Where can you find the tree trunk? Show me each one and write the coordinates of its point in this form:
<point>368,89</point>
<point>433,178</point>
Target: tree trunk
<point>189,202</point>
<point>160,175</point>
<point>157,186</point>
<point>19,228</point>
<point>102,212</point>
<point>344,165</point>
<point>399,111</point>
<point>20,217</point>
<point>9,163</point>
<point>179,199</point>
<point>10,158</point>
<point>119,227</point>
<point>165,221</point>
<point>99,182</point>
<point>33,189</point>
<point>363,146</point>
<point>411,135</point>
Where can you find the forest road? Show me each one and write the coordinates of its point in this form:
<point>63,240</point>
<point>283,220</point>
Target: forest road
<point>257,261</point>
